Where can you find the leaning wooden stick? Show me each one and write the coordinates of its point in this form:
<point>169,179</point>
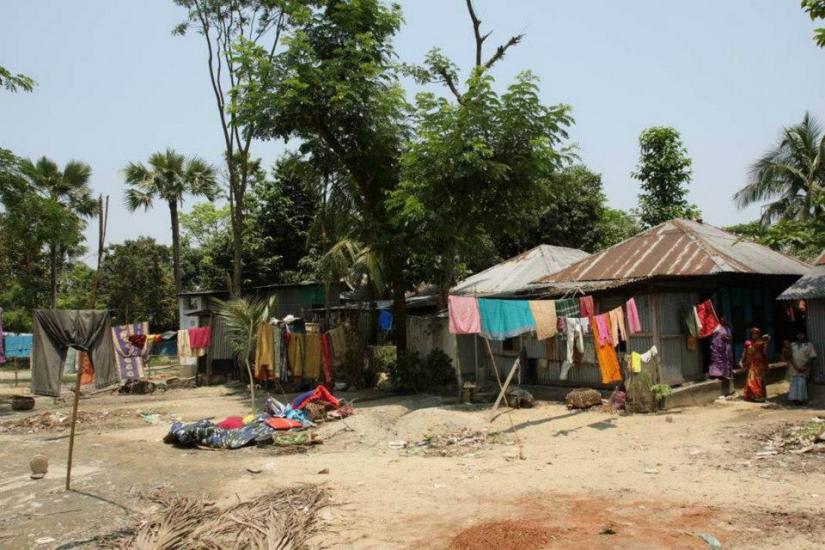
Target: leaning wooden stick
<point>504,387</point>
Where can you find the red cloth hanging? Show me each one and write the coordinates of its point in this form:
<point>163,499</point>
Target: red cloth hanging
<point>707,316</point>
<point>200,337</point>
<point>587,308</point>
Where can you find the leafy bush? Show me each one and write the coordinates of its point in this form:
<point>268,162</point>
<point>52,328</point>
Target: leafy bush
<point>409,373</point>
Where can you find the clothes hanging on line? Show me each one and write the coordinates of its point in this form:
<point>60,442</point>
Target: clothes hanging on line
<point>130,358</point>
<point>326,359</point>
<point>18,345</point>
<point>464,315</point>
<point>633,324</point>
<point>57,330</point>
<point>295,351</point>
<point>603,322</point>
<point>266,365</point>
<point>2,349</point>
<point>618,333</point>
<point>312,352</point>
<point>587,308</point>
<point>575,341</point>
<point>502,319</point>
<point>567,307</point>
<point>544,314</point>
<point>606,355</point>
<point>338,339</point>
<point>200,337</point>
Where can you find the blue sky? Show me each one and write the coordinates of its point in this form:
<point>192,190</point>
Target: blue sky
<point>115,86</point>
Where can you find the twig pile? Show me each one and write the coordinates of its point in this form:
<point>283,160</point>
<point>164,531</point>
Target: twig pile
<point>281,520</point>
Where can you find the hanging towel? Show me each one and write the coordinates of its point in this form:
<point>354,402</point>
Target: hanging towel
<point>464,317</point>
<point>501,319</point>
<point>707,316</point>
<point>584,324</point>
<point>568,307</point>
<point>200,337</point>
<point>18,345</point>
<point>633,323</point>
<point>606,355</point>
<point>544,313</point>
<point>603,322</point>
<point>586,306</point>
<point>385,320</point>
<point>326,359</point>
<point>617,322</point>
<point>338,338</point>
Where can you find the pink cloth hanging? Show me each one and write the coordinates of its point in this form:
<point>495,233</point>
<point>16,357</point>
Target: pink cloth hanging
<point>464,316</point>
<point>604,329</point>
<point>633,323</point>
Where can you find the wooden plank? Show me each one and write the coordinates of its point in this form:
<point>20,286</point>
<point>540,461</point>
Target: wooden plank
<point>513,370</point>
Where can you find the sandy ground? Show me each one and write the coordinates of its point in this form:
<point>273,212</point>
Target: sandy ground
<point>586,479</point>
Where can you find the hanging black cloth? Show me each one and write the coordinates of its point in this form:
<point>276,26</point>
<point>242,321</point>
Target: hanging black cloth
<point>57,330</point>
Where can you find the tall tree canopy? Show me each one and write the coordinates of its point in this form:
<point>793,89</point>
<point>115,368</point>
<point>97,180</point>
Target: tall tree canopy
<point>790,176</point>
<point>222,24</point>
<point>664,171</point>
<point>69,189</point>
<point>137,283</point>
<point>169,177</point>
<point>816,10</point>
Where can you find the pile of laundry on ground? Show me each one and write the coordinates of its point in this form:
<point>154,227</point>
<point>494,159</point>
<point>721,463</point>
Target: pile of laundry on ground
<point>234,432</point>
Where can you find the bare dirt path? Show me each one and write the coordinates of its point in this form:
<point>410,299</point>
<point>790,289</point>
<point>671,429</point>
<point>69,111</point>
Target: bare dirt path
<point>587,480</point>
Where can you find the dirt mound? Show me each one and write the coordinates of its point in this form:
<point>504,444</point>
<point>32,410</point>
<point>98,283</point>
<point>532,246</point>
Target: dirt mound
<point>508,535</point>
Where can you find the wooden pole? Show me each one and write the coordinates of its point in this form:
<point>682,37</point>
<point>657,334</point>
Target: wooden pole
<point>14,360</point>
<point>103,213</point>
<point>510,374</point>
<point>493,362</point>
<point>74,424</point>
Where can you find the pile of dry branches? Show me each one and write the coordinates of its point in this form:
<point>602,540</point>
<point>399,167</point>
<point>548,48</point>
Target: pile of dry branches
<point>284,519</point>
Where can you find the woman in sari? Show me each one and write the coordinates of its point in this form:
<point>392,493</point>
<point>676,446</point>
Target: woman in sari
<point>721,351</point>
<point>755,360</point>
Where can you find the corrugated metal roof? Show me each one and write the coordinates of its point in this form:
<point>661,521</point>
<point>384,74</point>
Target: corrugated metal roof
<point>811,285</point>
<point>518,272</point>
<point>680,248</point>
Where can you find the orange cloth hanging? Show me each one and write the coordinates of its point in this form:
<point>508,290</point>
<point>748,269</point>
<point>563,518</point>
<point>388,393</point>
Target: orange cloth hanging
<point>606,355</point>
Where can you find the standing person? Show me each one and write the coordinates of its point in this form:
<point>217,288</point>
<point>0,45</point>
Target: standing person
<point>721,351</point>
<point>802,357</point>
<point>755,360</point>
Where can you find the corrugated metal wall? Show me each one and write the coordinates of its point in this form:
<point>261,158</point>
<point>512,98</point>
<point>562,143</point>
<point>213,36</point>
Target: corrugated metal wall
<point>219,348</point>
<point>679,364</point>
<point>816,334</point>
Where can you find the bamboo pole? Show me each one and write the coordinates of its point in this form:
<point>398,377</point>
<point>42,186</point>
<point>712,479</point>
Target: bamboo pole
<point>103,213</point>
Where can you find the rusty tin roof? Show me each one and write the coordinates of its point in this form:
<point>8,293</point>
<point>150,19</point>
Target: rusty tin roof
<point>679,248</point>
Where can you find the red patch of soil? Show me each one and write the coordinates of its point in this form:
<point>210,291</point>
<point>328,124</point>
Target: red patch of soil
<point>507,535</point>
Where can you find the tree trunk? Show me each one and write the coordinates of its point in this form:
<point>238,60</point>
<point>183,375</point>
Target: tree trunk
<point>236,217</point>
<point>53,274</point>
<point>173,211</point>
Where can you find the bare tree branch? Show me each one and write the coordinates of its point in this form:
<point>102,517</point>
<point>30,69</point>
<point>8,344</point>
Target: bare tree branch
<point>500,51</point>
<point>448,80</point>
<point>476,26</point>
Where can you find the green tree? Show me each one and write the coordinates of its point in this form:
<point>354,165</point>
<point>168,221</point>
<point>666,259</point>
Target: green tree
<point>615,226</point>
<point>222,24</point>
<point>13,82</point>
<point>804,239</point>
<point>791,176</point>
<point>816,10</point>
<point>169,177</point>
<point>664,171</point>
<point>75,285</point>
<point>69,189</point>
<point>137,283</point>
<point>335,89</point>
<point>241,320</point>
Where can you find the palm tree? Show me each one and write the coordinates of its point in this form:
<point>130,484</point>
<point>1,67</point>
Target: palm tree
<point>70,190</point>
<point>791,175</point>
<point>241,319</point>
<point>169,176</point>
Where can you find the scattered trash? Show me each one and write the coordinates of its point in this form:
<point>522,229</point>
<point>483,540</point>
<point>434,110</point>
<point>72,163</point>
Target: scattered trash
<point>57,421</point>
<point>400,444</point>
<point>150,418</point>
<point>651,471</point>
<point>795,439</point>
<point>323,471</point>
<point>44,540</point>
<point>138,387</point>
<point>712,541</point>
<point>39,465</point>
<point>254,470</point>
<point>459,443</point>
<point>609,529</point>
